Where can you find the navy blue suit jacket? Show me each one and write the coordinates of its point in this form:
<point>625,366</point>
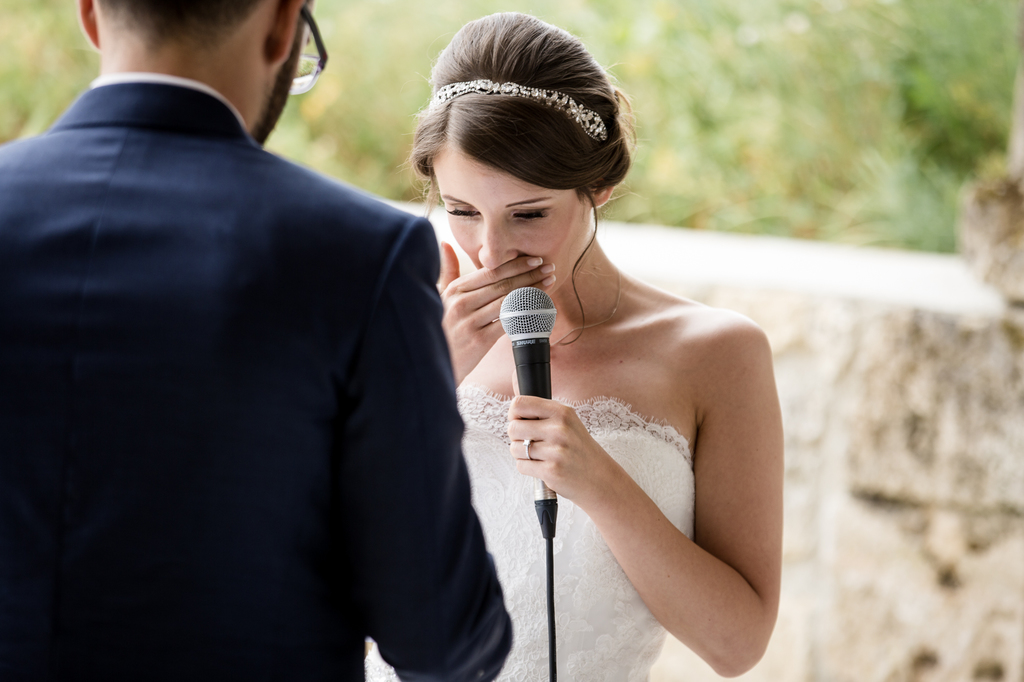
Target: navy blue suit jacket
<point>229,445</point>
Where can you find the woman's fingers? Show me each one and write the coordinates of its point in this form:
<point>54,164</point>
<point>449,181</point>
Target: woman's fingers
<point>555,430</point>
<point>563,453</point>
<point>523,449</point>
<point>535,468</point>
<point>537,419</point>
<point>532,407</point>
<point>474,317</point>
<point>543,275</point>
<point>449,266</point>
<point>485,285</point>
<point>535,430</point>
<point>472,304</point>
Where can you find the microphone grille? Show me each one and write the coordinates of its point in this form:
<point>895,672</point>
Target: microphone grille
<point>528,312</point>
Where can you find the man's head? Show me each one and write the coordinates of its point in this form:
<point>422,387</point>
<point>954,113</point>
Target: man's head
<point>176,19</point>
<point>245,49</point>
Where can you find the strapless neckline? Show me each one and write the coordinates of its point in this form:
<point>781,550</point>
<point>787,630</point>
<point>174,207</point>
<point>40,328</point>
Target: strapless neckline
<point>489,410</point>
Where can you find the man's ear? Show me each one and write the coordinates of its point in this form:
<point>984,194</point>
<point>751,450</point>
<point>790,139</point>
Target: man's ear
<point>88,19</point>
<point>281,36</point>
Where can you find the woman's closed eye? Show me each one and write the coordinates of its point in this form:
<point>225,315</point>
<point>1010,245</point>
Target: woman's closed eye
<point>519,215</point>
<point>529,215</point>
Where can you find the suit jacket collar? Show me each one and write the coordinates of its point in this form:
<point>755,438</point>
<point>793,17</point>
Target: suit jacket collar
<point>153,106</point>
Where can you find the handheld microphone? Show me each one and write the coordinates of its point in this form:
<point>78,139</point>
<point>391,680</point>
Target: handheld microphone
<point>528,317</point>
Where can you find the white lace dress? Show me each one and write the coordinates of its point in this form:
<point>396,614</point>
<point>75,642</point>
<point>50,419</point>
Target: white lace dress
<point>605,633</point>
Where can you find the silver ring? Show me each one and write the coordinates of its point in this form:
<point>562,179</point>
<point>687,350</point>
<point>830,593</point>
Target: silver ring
<point>526,444</point>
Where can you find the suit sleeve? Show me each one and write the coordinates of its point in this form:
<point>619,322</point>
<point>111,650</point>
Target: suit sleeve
<point>422,577</point>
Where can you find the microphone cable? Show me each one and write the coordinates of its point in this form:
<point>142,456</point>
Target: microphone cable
<point>528,316</point>
<point>546,504</point>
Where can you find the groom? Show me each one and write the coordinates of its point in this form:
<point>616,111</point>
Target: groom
<point>229,447</point>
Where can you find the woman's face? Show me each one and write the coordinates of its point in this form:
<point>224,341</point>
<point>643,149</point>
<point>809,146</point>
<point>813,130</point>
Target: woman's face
<point>496,217</point>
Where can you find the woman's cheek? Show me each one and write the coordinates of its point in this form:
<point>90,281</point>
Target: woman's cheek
<point>466,245</point>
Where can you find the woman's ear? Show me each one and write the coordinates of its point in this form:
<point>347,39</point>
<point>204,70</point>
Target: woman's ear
<point>602,195</point>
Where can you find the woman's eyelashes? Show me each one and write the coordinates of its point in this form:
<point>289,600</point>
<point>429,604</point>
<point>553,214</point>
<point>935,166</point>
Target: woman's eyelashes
<point>519,215</point>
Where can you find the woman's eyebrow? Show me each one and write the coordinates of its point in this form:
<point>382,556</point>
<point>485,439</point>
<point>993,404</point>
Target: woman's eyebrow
<point>529,201</point>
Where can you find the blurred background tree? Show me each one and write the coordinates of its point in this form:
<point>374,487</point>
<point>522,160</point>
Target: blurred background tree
<point>847,120</point>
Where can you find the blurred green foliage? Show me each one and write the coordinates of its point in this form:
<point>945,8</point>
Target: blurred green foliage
<point>847,120</point>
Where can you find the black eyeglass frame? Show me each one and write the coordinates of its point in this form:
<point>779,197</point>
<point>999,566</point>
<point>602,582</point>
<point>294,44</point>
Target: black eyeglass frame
<point>307,82</point>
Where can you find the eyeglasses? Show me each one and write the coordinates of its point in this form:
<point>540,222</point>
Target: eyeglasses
<point>310,65</point>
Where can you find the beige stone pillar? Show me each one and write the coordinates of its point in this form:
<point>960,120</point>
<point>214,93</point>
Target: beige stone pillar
<point>992,220</point>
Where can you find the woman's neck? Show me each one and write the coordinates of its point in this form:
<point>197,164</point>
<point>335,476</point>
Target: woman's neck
<point>599,286</point>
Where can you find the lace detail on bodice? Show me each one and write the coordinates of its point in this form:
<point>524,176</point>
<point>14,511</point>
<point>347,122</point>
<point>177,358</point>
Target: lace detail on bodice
<point>601,415</point>
<point>605,633</point>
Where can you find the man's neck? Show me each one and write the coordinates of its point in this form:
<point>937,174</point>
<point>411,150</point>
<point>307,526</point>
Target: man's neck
<point>172,61</point>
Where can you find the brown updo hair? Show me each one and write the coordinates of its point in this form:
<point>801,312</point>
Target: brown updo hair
<point>522,137</point>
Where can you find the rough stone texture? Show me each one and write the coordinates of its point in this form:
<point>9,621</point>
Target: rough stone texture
<point>992,235</point>
<point>942,420</point>
<point>904,503</point>
<point>924,593</point>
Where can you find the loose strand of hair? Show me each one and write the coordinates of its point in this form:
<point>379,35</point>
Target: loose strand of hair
<point>575,270</point>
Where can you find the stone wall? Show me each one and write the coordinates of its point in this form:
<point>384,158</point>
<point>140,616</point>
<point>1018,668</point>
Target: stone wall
<point>901,378</point>
<point>904,503</point>
<point>904,528</point>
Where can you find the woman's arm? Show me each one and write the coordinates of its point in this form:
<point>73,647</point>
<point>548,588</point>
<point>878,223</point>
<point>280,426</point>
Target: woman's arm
<point>719,593</point>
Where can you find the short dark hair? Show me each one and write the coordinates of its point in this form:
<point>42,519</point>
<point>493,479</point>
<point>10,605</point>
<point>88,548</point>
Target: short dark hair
<point>197,19</point>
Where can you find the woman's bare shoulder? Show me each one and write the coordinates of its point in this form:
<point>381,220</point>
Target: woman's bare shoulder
<point>681,326</point>
<point>687,357</point>
<point>713,360</point>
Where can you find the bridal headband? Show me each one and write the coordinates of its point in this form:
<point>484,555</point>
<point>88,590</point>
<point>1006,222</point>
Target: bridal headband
<point>589,120</point>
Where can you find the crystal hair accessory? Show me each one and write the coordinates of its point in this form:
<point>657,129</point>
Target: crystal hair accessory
<point>589,120</point>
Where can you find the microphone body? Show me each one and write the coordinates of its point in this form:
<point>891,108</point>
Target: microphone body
<point>533,366</point>
<point>528,316</point>
<point>533,373</point>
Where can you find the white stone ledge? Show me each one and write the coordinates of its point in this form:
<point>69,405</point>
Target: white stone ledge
<point>693,260</point>
<point>936,282</point>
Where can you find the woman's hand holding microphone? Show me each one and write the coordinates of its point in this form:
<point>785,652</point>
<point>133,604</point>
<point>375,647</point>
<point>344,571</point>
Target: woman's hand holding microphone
<point>562,452</point>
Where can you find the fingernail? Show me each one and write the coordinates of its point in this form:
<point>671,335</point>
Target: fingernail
<point>549,281</point>
<point>550,267</point>
<point>534,262</point>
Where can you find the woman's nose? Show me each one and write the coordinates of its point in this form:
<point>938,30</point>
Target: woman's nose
<point>495,248</point>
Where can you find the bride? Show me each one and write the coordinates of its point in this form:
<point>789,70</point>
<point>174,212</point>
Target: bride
<point>664,440</point>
